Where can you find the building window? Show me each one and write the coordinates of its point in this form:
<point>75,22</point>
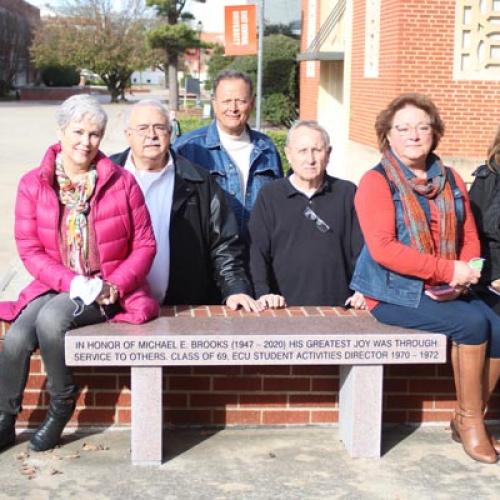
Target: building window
<point>372,38</point>
<point>477,40</point>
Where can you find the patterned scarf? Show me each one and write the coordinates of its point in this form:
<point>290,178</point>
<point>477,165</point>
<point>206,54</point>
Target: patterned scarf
<point>437,189</point>
<point>76,198</point>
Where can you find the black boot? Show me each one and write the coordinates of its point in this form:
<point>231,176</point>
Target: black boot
<point>7,430</point>
<point>49,433</point>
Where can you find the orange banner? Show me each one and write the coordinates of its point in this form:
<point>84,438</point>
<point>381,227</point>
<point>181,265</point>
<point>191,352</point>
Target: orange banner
<point>240,34</point>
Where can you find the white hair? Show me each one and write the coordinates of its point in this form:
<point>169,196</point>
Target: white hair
<point>76,107</point>
<point>150,103</point>
<point>311,124</point>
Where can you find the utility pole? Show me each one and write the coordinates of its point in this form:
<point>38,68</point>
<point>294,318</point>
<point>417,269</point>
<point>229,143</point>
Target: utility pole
<point>260,52</point>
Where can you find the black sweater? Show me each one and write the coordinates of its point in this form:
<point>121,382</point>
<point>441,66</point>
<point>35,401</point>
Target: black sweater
<point>291,256</point>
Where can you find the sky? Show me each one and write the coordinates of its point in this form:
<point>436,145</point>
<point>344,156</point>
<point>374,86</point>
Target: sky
<point>211,13</point>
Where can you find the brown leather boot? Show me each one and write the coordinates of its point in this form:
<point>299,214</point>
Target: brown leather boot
<point>490,379</point>
<point>468,422</point>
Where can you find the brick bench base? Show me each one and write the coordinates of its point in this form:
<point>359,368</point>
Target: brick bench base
<point>357,343</point>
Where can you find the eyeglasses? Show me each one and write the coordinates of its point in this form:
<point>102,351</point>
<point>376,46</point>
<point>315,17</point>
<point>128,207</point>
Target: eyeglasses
<point>310,214</point>
<point>238,103</point>
<point>405,129</point>
<point>158,129</point>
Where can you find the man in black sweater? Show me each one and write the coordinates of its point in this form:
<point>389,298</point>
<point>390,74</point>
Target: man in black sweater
<point>304,232</point>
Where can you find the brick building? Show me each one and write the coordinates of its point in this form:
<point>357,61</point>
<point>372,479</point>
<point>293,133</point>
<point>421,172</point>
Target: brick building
<point>359,54</point>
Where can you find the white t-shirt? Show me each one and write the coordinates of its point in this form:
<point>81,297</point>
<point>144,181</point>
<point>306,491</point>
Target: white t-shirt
<point>239,149</point>
<point>158,190</point>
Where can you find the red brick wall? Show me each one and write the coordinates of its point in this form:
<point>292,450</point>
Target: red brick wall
<point>416,55</point>
<point>308,105</point>
<point>249,395</point>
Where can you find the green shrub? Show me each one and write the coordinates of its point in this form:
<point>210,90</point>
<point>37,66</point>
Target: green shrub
<point>60,76</point>
<point>279,139</point>
<point>278,109</point>
<point>277,136</point>
<point>189,123</point>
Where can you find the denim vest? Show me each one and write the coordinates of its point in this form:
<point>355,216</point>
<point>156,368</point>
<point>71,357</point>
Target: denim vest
<point>203,147</point>
<point>378,282</point>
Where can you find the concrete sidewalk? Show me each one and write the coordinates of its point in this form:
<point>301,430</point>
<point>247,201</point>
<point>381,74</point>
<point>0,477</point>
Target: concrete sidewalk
<point>283,463</point>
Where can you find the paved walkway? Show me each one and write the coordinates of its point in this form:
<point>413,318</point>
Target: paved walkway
<point>260,464</point>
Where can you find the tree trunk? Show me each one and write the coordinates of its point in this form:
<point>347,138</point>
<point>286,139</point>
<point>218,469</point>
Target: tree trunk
<point>173,86</point>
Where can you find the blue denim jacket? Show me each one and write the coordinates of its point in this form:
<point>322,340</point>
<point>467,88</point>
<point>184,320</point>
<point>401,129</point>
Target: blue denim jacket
<point>378,282</point>
<point>203,146</point>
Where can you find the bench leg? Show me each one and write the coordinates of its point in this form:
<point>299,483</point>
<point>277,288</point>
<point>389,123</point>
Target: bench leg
<point>147,417</point>
<point>360,402</point>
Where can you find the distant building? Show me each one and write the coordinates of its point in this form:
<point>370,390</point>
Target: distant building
<point>149,76</point>
<point>357,55</point>
<point>17,21</point>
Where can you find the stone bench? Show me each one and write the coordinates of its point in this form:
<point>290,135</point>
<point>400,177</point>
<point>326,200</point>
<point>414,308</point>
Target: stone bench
<point>327,336</point>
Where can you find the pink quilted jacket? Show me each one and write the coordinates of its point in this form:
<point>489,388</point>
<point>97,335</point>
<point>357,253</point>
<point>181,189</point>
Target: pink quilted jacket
<point>124,238</point>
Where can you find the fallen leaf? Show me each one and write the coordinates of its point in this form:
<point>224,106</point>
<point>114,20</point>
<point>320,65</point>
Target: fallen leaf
<point>73,455</point>
<point>94,447</point>
<point>28,471</point>
<point>272,455</point>
<point>23,455</point>
<point>53,471</point>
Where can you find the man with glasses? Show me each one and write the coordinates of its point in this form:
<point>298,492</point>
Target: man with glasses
<point>199,257</point>
<point>304,233</point>
<point>242,160</point>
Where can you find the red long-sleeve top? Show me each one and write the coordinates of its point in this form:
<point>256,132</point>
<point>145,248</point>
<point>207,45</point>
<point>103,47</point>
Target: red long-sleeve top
<point>377,216</point>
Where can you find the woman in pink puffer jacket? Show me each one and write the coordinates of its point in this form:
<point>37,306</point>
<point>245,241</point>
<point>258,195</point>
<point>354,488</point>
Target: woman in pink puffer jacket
<point>83,232</point>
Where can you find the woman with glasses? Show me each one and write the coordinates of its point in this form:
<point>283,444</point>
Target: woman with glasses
<point>421,255</point>
<point>83,232</point>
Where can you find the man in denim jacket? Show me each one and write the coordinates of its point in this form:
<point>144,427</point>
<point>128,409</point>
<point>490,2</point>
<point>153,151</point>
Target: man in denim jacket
<point>242,160</point>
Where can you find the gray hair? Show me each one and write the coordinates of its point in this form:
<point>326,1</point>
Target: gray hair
<point>311,124</point>
<point>232,74</point>
<point>76,107</point>
<point>150,103</point>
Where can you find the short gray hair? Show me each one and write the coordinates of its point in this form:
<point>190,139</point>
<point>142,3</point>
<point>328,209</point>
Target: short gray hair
<point>151,103</point>
<point>76,107</point>
<point>232,74</point>
<point>311,124</point>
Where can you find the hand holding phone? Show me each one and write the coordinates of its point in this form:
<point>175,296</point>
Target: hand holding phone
<point>443,293</point>
<point>441,290</point>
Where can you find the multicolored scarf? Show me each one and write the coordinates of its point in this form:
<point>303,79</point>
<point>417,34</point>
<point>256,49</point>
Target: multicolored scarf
<point>437,189</point>
<point>76,198</point>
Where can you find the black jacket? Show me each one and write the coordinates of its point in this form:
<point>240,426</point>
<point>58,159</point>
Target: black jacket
<point>485,202</point>
<point>206,254</point>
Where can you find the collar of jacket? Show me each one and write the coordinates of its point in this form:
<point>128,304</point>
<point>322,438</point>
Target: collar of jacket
<point>104,166</point>
<point>258,140</point>
<point>483,171</point>
<point>185,173</point>
<point>185,169</point>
